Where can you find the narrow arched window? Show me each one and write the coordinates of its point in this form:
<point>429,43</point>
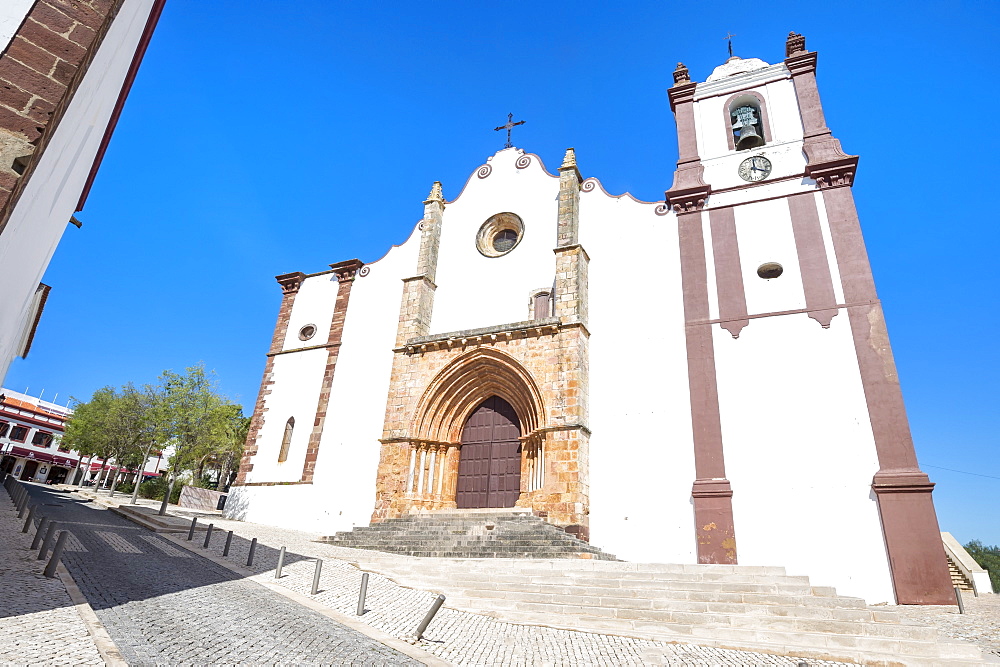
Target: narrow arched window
<point>286,440</point>
<point>747,123</point>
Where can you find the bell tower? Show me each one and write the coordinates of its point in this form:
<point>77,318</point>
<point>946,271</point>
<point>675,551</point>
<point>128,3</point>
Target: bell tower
<point>782,319</point>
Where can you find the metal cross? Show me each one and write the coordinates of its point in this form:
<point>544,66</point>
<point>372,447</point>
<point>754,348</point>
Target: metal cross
<point>510,124</point>
<point>729,36</point>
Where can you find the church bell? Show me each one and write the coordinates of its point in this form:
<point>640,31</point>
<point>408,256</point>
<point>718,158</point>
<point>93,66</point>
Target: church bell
<point>749,138</point>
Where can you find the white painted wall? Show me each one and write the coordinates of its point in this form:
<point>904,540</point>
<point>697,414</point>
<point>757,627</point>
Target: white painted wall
<point>798,442</point>
<point>12,13</point>
<point>300,376</point>
<point>314,304</point>
<point>764,234</point>
<point>641,452</point>
<point>49,199</point>
<point>350,448</point>
<point>800,453</point>
<point>477,291</point>
<point>343,493</point>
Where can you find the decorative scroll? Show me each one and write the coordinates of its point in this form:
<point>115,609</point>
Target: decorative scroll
<point>589,185</point>
<point>484,171</point>
<point>364,271</point>
<point>661,209</point>
<point>523,162</point>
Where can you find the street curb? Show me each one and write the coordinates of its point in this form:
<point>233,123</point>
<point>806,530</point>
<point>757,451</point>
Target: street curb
<point>373,633</point>
<point>102,640</point>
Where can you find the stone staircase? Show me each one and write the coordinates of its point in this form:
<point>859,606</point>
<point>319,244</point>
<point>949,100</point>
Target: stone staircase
<point>727,606</point>
<point>494,533</point>
<point>958,579</point>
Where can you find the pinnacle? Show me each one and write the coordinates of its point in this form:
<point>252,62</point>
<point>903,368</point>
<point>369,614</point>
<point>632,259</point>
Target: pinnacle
<point>569,161</point>
<point>436,193</point>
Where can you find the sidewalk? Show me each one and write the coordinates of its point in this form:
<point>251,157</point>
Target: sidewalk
<point>38,619</point>
<point>458,637</point>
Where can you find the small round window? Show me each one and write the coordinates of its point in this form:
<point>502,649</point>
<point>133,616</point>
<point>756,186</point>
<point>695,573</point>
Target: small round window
<point>307,332</point>
<point>770,270</point>
<point>500,234</point>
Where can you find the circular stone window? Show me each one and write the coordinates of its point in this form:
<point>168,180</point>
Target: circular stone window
<point>307,332</point>
<point>770,270</point>
<point>500,234</point>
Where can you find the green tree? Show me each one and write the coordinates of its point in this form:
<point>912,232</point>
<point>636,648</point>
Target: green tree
<point>113,425</point>
<point>988,559</point>
<point>198,421</point>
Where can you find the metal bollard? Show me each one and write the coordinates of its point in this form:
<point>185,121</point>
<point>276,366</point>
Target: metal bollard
<point>253,548</point>
<point>50,569</point>
<point>194,522</point>
<point>362,594</point>
<point>319,567</point>
<point>281,561</point>
<point>20,513</point>
<point>22,503</point>
<point>229,543</point>
<point>208,534</point>
<point>49,534</point>
<point>30,520</point>
<point>41,530</point>
<point>430,615</point>
<point>961,603</point>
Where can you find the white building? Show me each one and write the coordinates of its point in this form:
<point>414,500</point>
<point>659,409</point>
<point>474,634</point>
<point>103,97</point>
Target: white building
<point>31,447</point>
<point>65,72</point>
<point>706,378</point>
<point>30,439</point>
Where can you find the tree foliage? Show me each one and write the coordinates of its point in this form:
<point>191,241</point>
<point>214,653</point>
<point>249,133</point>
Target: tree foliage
<point>183,412</point>
<point>988,559</point>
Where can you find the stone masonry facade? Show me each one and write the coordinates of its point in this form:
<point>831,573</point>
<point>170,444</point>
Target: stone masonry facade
<point>540,367</point>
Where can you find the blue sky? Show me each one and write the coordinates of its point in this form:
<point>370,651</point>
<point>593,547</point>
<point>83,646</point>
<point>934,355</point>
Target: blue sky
<point>268,137</point>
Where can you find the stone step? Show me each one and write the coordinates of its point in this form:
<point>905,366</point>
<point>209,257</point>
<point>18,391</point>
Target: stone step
<point>499,599</point>
<point>868,648</point>
<point>515,582</point>
<point>527,573</point>
<point>457,535</point>
<point>602,567</point>
<point>728,606</point>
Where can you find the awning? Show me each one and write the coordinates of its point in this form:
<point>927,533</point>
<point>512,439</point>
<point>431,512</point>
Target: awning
<point>44,457</point>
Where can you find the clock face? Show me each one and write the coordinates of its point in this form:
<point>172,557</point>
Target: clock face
<point>755,168</point>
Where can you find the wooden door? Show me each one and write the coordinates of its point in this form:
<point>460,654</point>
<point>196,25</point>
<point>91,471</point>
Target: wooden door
<point>489,466</point>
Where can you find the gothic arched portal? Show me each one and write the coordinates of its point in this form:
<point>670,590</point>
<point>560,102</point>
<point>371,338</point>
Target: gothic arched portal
<point>489,468</point>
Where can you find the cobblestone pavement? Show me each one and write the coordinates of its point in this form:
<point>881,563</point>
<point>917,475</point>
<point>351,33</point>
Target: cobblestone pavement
<point>38,622</point>
<point>979,624</point>
<point>459,637</point>
<point>163,605</point>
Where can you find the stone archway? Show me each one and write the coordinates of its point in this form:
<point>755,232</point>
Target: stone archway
<point>420,469</point>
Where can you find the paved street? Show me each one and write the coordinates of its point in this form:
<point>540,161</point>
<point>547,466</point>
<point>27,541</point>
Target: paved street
<point>161,604</point>
<point>38,622</point>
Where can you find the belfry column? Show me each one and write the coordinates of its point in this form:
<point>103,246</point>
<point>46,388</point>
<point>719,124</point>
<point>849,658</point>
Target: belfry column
<point>909,522</point>
<point>567,442</point>
<point>290,283</point>
<point>415,310</point>
<point>712,493</point>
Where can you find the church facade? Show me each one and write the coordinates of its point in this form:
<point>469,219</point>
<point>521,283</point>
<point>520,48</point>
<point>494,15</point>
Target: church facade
<point>703,379</point>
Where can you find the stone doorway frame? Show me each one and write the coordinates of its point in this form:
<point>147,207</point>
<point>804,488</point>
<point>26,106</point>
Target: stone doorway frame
<point>420,471</point>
